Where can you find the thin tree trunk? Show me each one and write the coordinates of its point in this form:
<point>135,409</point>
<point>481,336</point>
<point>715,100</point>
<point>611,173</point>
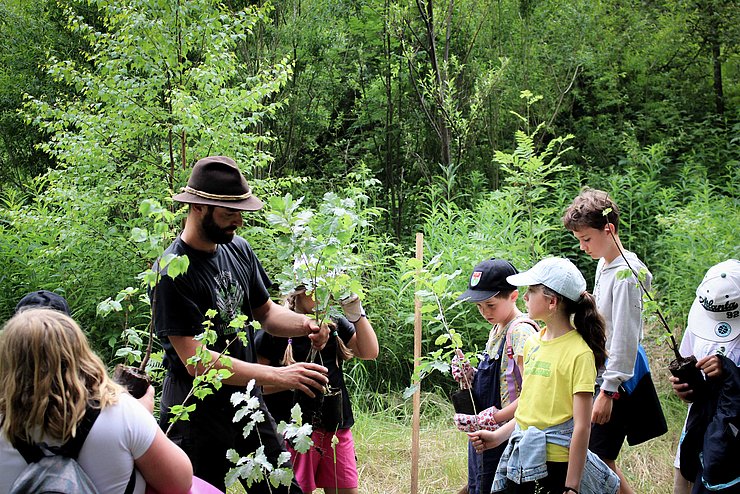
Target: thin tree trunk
<point>719,98</point>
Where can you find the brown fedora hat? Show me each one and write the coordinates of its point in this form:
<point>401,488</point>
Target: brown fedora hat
<point>217,181</point>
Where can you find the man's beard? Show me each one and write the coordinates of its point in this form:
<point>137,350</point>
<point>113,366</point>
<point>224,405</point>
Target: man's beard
<point>215,233</point>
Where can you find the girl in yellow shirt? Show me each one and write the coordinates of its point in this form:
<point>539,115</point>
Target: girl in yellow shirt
<point>560,365</point>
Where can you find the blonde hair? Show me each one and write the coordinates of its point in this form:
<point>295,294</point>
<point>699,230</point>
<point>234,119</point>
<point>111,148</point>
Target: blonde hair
<point>48,377</point>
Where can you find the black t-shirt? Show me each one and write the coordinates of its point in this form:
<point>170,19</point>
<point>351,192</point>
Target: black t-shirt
<point>231,280</point>
<point>273,348</point>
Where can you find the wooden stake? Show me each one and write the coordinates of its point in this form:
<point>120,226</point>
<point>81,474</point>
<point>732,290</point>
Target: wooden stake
<point>417,394</point>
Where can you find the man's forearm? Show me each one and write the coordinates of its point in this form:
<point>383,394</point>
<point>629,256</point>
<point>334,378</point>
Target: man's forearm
<point>280,321</point>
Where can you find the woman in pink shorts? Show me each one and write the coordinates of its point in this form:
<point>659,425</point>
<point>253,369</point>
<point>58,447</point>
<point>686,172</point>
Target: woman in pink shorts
<point>330,463</point>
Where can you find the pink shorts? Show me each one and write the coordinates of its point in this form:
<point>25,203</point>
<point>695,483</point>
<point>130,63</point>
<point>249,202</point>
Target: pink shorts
<point>317,468</point>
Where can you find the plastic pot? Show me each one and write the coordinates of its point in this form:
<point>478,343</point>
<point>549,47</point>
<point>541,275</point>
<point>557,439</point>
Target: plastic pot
<point>133,379</point>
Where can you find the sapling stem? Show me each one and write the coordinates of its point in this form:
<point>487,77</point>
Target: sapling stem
<point>210,366</point>
<point>673,344</point>
<point>148,353</point>
<point>452,339</point>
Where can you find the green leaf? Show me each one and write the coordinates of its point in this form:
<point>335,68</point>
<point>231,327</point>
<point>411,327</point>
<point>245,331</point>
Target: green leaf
<point>409,391</point>
<point>178,265</point>
<point>139,235</point>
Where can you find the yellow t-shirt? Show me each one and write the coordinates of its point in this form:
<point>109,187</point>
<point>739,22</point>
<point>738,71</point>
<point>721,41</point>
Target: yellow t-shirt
<point>554,370</point>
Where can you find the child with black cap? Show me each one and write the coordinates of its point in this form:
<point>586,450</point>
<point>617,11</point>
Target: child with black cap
<point>546,443</point>
<point>43,299</point>
<point>497,380</point>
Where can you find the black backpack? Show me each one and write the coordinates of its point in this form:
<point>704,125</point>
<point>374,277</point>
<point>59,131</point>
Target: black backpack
<point>54,470</point>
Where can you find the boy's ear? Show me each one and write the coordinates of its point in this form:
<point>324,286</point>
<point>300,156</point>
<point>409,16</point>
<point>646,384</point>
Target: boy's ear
<point>514,295</point>
<point>609,228</point>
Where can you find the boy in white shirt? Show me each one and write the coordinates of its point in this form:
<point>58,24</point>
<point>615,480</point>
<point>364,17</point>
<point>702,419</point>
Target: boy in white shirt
<point>626,403</point>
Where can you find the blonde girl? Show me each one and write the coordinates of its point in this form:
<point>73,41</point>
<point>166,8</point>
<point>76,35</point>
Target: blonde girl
<point>49,378</point>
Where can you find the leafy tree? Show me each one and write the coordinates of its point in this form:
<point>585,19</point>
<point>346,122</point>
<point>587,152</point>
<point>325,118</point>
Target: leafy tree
<point>163,88</point>
<point>30,32</point>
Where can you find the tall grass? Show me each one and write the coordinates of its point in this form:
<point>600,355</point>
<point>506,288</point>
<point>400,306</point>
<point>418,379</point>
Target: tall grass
<point>382,434</point>
<point>383,442</point>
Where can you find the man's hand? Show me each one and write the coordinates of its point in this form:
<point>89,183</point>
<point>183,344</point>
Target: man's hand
<point>318,335</point>
<point>602,410</point>
<point>711,365</point>
<point>303,377</point>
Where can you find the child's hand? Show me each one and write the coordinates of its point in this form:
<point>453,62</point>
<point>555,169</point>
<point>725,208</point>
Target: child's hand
<point>466,423</point>
<point>602,409</point>
<point>148,399</point>
<point>483,440</point>
<point>487,420</point>
<point>681,389</point>
<point>711,366</point>
<point>483,421</point>
<point>352,308</point>
<point>462,371</point>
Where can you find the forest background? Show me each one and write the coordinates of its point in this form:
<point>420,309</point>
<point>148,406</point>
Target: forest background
<point>474,122</point>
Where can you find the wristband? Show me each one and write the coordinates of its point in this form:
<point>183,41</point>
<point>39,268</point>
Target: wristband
<point>569,489</point>
<point>358,319</point>
<point>614,395</point>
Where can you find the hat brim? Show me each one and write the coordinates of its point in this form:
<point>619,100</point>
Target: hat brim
<point>708,328</point>
<point>477,295</point>
<point>523,279</point>
<point>249,204</point>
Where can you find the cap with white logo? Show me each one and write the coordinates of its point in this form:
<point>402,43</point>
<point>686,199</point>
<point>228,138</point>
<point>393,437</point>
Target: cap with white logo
<point>715,313</point>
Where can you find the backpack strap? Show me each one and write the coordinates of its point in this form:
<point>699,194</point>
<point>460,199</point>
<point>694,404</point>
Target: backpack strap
<point>513,374</point>
<point>32,453</point>
<point>72,447</point>
<point>131,482</point>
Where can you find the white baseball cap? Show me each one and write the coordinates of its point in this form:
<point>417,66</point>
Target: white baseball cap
<point>557,274</point>
<point>715,313</point>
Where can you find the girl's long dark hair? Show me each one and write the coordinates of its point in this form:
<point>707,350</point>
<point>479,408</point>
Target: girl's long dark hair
<point>343,351</point>
<point>587,321</point>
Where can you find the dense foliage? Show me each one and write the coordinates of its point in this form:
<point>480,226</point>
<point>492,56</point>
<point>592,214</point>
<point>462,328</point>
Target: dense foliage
<point>474,122</point>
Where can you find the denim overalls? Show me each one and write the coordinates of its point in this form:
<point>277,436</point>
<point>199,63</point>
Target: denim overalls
<point>487,393</point>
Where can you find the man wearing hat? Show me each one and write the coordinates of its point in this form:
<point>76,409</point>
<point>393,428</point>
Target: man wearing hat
<point>712,336</point>
<point>224,274</point>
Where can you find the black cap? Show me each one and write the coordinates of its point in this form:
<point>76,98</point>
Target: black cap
<point>43,299</point>
<point>488,279</point>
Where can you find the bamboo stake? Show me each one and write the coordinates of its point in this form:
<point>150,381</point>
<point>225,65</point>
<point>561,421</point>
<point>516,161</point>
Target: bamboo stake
<point>417,394</point>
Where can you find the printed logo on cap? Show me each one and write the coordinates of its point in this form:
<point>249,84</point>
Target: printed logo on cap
<point>711,307</point>
<point>723,330</point>
<point>475,278</point>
